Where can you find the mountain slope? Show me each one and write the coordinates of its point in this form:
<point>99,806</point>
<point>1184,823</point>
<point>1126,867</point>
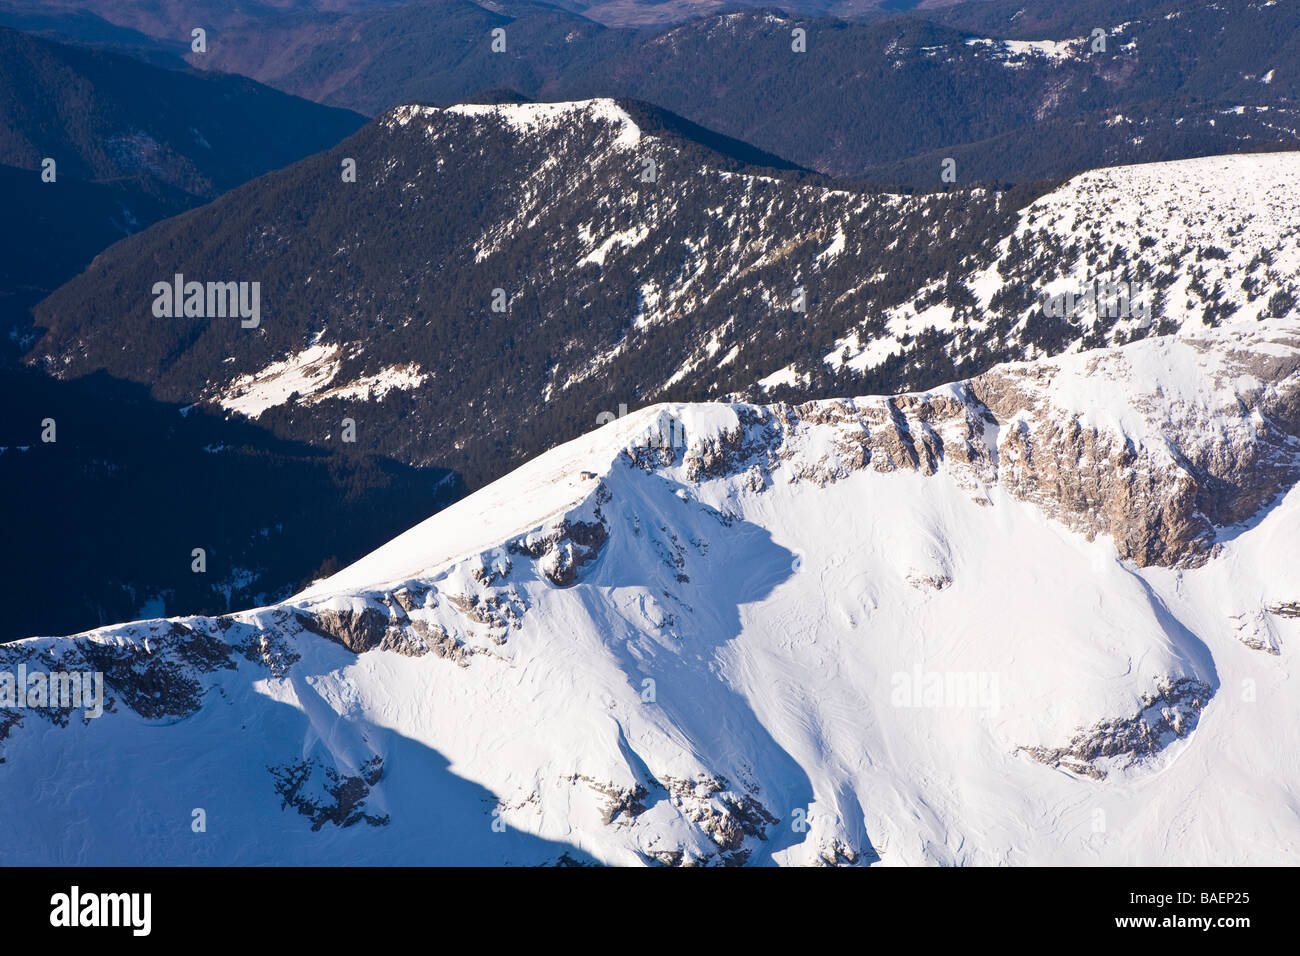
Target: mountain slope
<point>613,289</point>
<point>888,101</point>
<point>1193,243</point>
<point>103,116</point>
<point>133,144</point>
<point>885,100</point>
<point>889,629</point>
<point>379,297</point>
<point>375,59</point>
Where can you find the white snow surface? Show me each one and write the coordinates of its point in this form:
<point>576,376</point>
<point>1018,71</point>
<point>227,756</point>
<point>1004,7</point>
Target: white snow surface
<point>777,615</point>
<point>528,118</point>
<point>313,374</point>
<point>1213,229</point>
<point>304,372</point>
<point>1013,52</point>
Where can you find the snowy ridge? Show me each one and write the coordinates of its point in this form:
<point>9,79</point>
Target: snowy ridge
<point>1201,241</point>
<point>1004,621</point>
<point>527,120</point>
<point>530,118</point>
<point>672,270</point>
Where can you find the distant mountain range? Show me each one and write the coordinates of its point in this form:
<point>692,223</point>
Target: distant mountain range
<point>78,25</point>
<point>380,302</point>
<point>175,18</point>
<point>500,277</point>
<point>106,117</point>
<point>132,144</point>
<point>886,100</point>
<point>1012,92</point>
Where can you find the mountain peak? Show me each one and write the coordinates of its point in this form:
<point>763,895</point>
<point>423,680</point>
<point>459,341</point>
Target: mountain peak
<point>529,118</point>
<point>630,119</point>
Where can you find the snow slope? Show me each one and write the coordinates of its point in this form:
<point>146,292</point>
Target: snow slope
<point>1048,615</point>
<point>1203,241</point>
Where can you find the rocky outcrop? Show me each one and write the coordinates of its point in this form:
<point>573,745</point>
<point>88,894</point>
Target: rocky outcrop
<point>1167,714</point>
<point>358,631</point>
<point>838,853</point>
<point>1110,453</point>
<point>562,550</point>
<point>727,817</point>
<point>326,796</point>
<point>1180,468</point>
<point>388,621</point>
<point>625,803</point>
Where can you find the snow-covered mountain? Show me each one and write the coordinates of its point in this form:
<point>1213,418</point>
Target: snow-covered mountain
<point>1016,92</point>
<point>501,276</point>
<point>1045,615</point>
<point>513,260</point>
<point>1193,243</point>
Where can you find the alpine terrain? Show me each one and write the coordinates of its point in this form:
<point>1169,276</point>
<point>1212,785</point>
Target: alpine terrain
<point>501,277</point>
<point>682,433</point>
<point>1046,614</point>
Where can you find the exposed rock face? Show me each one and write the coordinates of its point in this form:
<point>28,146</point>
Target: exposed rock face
<point>934,582</point>
<point>326,796</point>
<point>394,621</point>
<point>1161,485</point>
<point>913,432</point>
<point>272,648</point>
<point>1168,713</point>
<point>726,816</point>
<point>626,802</point>
<point>562,547</point>
<point>1158,474</point>
<point>357,631</point>
<point>563,551</point>
<point>839,854</point>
